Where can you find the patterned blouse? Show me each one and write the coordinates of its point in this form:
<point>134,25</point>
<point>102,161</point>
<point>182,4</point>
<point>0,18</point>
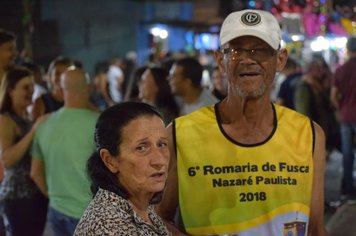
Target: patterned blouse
<point>17,183</point>
<point>110,214</point>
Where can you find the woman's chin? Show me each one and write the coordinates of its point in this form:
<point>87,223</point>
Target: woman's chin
<point>157,187</point>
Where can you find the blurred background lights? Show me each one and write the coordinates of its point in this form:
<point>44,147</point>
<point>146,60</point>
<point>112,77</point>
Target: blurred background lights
<point>319,44</point>
<point>159,32</point>
<point>338,42</point>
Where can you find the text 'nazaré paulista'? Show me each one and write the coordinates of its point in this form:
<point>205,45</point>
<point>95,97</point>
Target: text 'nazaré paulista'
<point>282,179</point>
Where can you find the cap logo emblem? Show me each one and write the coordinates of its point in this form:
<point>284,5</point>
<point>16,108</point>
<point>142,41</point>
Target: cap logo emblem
<point>251,18</point>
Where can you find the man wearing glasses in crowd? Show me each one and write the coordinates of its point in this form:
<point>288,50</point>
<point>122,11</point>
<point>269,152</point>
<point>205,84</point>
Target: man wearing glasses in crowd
<point>245,166</point>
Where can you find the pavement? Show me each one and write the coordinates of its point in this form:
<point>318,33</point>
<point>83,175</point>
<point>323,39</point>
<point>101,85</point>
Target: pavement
<point>343,222</point>
<point>340,218</point>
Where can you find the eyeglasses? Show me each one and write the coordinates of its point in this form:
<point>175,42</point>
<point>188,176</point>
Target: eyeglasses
<point>257,54</point>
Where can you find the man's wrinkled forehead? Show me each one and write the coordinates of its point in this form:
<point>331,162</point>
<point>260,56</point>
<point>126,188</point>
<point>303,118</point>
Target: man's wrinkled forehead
<point>247,41</point>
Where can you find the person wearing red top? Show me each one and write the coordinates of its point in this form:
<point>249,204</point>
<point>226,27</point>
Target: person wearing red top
<point>343,97</point>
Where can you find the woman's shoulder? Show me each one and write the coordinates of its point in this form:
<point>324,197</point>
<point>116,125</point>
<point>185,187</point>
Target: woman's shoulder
<point>105,221</point>
<point>103,216</point>
<point>6,121</point>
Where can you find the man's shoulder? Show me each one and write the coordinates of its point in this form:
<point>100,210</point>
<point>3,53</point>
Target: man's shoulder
<point>48,122</point>
<point>77,111</point>
<point>114,71</point>
<point>348,66</point>
<point>207,97</point>
<point>91,113</point>
<point>288,113</point>
<point>202,113</point>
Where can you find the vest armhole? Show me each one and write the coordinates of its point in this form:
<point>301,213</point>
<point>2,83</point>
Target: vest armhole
<point>313,134</point>
<point>174,137</point>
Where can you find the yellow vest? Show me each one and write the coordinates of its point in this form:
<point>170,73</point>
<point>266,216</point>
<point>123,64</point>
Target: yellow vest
<point>227,187</point>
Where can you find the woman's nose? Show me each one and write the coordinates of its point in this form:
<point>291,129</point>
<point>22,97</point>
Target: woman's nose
<point>160,158</point>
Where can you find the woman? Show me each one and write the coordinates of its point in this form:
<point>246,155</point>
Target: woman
<point>24,207</point>
<point>99,86</point>
<point>128,172</point>
<point>154,89</point>
<point>131,93</point>
<point>312,99</point>
<point>53,99</point>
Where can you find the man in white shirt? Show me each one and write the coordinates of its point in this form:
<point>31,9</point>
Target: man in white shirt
<point>115,81</point>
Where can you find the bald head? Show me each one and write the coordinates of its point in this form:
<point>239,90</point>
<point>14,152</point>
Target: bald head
<point>74,80</point>
<point>75,88</point>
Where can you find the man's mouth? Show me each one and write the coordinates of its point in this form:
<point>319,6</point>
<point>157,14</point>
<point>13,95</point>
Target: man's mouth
<point>244,74</point>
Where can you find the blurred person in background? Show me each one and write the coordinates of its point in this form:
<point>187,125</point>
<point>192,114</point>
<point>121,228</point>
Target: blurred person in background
<point>185,81</point>
<point>53,99</point>
<point>8,51</point>
<point>154,89</point>
<point>312,98</point>
<point>24,207</point>
<point>292,73</point>
<point>8,54</point>
<point>128,66</point>
<point>40,86</point>
<point>115,81</point>
<point>343,97</point>
<point>131,93</point>
<point>60,150</point>
<point>219,85</point>
<point>99,86</point>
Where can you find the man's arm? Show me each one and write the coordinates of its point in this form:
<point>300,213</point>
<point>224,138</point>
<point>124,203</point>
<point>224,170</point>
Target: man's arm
<point>103,84</point>
<point>317,227</point>
<point>167,207</point>
<point>38,175</point>
<point>334,97</point>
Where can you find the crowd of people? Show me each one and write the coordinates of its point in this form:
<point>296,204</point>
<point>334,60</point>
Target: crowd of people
<point>151,150</point>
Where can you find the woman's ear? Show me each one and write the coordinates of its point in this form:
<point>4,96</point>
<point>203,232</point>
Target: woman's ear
<point>109,160</point>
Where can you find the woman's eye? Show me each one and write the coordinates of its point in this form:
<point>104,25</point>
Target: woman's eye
<point>163,144</point>
<point>141,148</point>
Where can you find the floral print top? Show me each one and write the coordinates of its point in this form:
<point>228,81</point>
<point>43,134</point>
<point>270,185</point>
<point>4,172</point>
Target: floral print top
<point>17,183</point>
<point>110,214</point>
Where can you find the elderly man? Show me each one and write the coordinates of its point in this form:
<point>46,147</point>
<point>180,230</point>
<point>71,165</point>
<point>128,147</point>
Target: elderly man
<point>60,150</point>
<point>246,166</point>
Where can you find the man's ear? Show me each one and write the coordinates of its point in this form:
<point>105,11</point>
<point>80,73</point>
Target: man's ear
<point>282,57</point>
<point>109,160</point>
<point>220,60</point>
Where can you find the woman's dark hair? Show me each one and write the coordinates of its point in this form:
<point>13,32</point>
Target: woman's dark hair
<point>101,68</point>
<point>8,83</point>
<point>132,87</point>
<point>60,61</point>
<point>108,134</point>
<point>351,44</point>
<point>6,36</point>
<point>164,98</point>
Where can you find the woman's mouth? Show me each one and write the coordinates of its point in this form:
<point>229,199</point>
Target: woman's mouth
<point>159,176</point>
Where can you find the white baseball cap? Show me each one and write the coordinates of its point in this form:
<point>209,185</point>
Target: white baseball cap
<point>258,23</point>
